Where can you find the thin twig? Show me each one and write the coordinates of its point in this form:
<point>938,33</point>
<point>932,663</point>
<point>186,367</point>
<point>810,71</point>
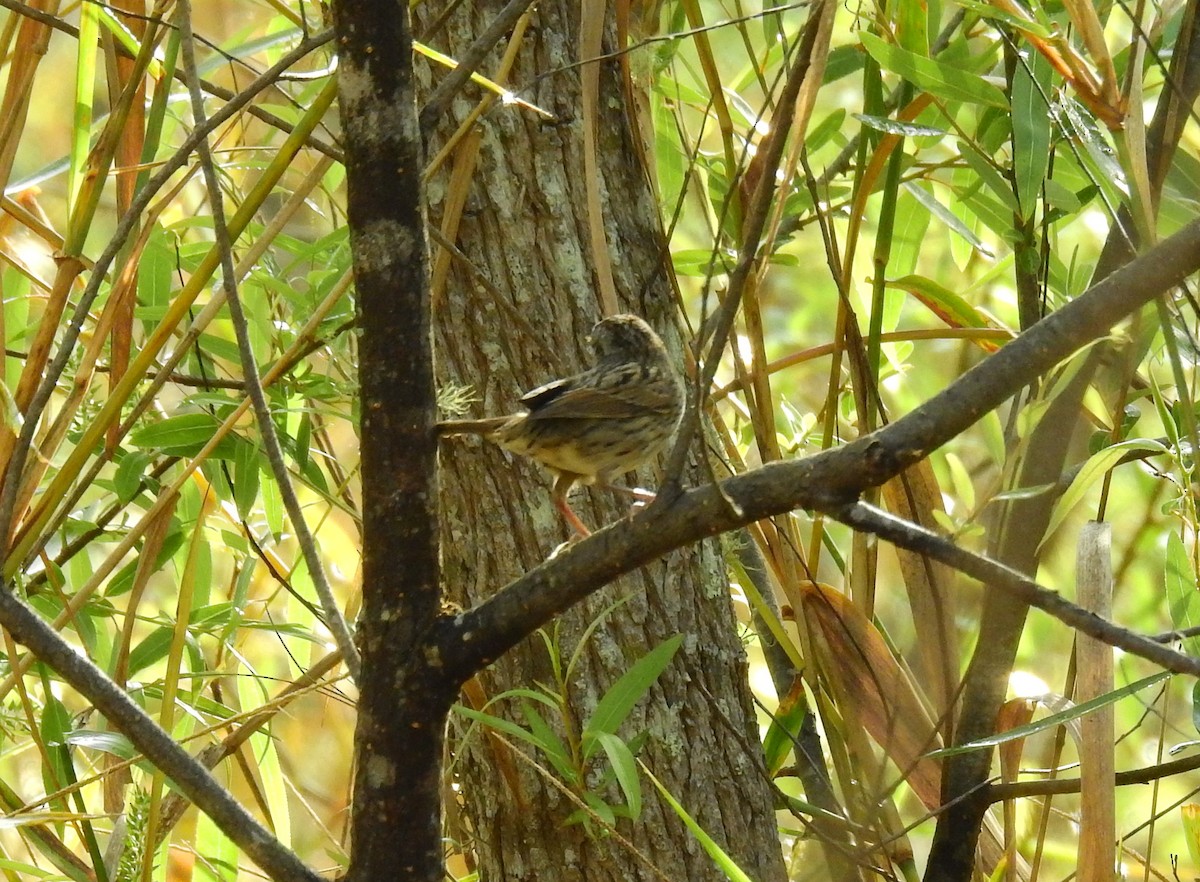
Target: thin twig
<point>1054,786</point>
<point>157,745</point>
<point>753,227</point>
<point>124,228</point>
<point>913,537</point>
<point>469,63</point>
<point>334,620</point>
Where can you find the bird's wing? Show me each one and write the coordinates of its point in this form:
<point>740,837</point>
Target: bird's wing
<point>536,399</point>
<point>621,396</point>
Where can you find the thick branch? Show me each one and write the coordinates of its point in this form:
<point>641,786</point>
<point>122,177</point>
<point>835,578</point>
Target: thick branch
<point>827,481</point>
<point>403,704</point>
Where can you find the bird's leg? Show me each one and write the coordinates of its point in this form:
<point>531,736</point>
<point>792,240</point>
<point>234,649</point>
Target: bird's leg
<point>562,486</point>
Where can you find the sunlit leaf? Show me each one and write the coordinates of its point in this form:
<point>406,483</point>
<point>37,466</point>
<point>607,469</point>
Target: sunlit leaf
<point>1058,719</point>
<point>950,83</point>
<point>1095,468</point>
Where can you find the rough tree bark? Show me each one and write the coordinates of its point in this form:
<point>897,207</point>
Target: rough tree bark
<point>525,228</point>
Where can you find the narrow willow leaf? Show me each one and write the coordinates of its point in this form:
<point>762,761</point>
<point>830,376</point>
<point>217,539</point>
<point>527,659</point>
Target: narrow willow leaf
<point>785,727</point>
<point>991,177</point>
<point>1094,469</point>
<point>1055,719</point>
<point>186,431</point>
<point>245,478</point>
<point>723,861</point>
<point>993,12</point>
<point>499,724</point>
<point>151,650</point>
<point>130,472</point>
<point>898,127</point>
<point>1030,127</point>
<point>822,132</point>
<point>944,303</point>
<point>24,870</point>
<point>625,769</point>
<point>619,700</point>
<point>1183,597</point>
<point>943,80</point>
<point>1196,709</point>
<point>105,742</point>
<point>552,746</point>
<point>948,217</point>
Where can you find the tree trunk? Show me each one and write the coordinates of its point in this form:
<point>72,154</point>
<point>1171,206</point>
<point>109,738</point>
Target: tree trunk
<point>525,229</point>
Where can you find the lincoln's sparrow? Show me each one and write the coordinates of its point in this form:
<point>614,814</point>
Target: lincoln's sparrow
<point>592,426</point>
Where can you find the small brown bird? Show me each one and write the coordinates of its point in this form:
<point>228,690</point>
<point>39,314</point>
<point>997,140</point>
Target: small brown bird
<point>603,422</point>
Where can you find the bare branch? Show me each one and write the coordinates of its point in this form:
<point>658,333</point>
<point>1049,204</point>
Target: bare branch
<point>828,481</point>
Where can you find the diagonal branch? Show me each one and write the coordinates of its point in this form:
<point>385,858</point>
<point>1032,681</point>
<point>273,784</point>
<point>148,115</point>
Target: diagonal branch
<point>913,537</point>
<point>334,620</point>
<point>827,481</point>
<point>469,63</point>
<point>185,772</point>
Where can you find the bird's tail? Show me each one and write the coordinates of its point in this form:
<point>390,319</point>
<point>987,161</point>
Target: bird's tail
<point>471,427</point>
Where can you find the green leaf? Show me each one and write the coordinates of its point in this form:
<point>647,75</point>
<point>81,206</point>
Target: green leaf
<point>153,648</point>
<point>1183,597</point>
<point>500,725</point>
<point>1030,127</point>
<point>602,809</point>
<point>625,768</point>
<point>245,478</point>
<point>823,131</point>
<point>946,216</point>
<point>842,61</point>
<point>130,472</point>
<point>943,302</point>
<point>57,771</point>
<point>105,742</point>
<point>1093,469</point>
<point>1053,720</point>
<point>27,871</point>
<point>943,80</point>
<point>987,173</point>
<point>619,700</point>
<point>303,441</point>
<point>551,745</point>
<point>897,127</point>
<point>785,728</point>
<point>1196,712</point>
<point>723,861</point>
<point>994,13</point>
<point>123,580</point>
<point>186,432</point>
